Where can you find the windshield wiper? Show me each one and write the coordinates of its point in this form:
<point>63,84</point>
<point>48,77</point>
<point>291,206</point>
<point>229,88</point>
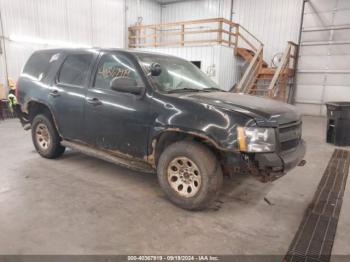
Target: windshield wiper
<point>183,89</point>
<point>213,89</point>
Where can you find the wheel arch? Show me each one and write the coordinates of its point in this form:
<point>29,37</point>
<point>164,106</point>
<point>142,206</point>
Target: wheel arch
<point>35,107</point>
<point>171,135</point>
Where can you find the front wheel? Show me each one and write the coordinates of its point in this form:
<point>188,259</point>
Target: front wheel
<point>45,137</point>
<point>190,175</point>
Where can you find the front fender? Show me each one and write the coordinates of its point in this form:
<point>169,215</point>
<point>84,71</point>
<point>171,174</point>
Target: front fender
<point>217,126</point>
<point>216,142</point>
<point>214,124</point>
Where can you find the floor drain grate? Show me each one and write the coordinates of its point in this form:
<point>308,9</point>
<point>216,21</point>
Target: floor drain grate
<point>314,239</point>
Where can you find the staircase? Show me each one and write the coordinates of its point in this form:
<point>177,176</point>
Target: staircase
<point>261,80</point>
<point>247,54</point>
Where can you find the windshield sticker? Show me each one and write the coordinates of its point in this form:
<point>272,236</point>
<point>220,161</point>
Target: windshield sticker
<point>112,72</point>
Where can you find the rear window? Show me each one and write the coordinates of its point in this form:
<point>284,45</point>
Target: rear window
<point>75,69</point>
<point>39,64</point>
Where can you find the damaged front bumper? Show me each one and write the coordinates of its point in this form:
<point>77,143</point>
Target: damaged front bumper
<point>265,166</point>
<point>274,165</point>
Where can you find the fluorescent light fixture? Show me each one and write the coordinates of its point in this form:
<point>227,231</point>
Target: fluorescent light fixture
<point>41,41</point>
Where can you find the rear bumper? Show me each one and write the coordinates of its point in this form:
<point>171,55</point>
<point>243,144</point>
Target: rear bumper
<point>20,115</point>
<point>281,162</point>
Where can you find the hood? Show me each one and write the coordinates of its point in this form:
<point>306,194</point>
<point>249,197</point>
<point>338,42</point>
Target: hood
<point>263,110</point>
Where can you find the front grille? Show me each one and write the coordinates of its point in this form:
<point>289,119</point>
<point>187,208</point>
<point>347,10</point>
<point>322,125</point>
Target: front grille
<point>289,135</point>
<point>289,144</point>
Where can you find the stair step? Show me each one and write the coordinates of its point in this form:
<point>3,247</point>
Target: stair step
<point>267,71</point>
<point>263,84</point>
<point>248,55</point>
<point>271,71</point>
<point>265,78</point>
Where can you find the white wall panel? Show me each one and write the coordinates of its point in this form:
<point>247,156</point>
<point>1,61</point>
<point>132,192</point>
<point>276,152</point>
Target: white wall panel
<point>93,23</point>
<point>192,9</point>
<point>324,62</point>
<point>309,108</point>
<point>309,93</point>
<point>148,10</point>
<point>227,68</point>
<point>274,22</point>
<point>107,23</point>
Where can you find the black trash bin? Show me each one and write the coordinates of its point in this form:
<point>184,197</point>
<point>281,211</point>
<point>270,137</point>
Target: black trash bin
<point>338,127</point>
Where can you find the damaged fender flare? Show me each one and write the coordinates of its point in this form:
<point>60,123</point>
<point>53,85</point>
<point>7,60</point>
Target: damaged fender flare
<point>153,155</point>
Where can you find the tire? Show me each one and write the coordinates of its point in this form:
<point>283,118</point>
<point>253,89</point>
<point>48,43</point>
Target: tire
<point>205,185</point>
<point>45,137</point>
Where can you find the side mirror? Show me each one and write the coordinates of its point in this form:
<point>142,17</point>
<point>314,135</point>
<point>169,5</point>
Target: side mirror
<point>125,85</point>
<point>155,69</point>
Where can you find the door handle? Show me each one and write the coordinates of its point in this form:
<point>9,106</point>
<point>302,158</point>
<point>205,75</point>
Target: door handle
<point>55,93</point>
<point>94,101</point>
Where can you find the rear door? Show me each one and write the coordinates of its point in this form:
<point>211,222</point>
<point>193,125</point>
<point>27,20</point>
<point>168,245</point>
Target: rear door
<point>68,91</point>
<point>117,121</point>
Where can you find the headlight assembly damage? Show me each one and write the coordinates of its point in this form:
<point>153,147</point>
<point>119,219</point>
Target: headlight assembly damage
<point>255,139</point>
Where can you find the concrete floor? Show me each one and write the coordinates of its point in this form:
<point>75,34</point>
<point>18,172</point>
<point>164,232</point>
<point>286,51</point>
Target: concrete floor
<point>81,205</point>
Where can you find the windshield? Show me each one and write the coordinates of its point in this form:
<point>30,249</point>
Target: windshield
<point>177,74</point>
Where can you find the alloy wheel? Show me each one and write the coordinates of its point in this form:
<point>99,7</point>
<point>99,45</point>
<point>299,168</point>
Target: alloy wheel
<point>184,176</point>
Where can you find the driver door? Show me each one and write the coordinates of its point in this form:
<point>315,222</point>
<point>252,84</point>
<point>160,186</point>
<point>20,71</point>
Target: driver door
<point>117,121</point>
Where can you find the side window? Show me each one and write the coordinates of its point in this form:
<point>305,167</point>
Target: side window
<point>39,65</point>
<point>113,65</point>
<point>75,69</point>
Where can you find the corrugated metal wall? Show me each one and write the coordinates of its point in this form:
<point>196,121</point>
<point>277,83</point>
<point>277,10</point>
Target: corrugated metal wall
<point>94,23</point>
<point>274,22</point>
<point>324,63</point>
<point>228,69</point>
<point>194,9</point>
<point>149,10</point>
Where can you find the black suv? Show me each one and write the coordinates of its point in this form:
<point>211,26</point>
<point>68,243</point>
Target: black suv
<point>154,112</point>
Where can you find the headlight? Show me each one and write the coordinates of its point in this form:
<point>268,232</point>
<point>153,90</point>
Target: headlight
<point>254,139</point>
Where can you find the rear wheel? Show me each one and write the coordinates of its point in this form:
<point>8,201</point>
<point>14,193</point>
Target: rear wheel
<point>45,137</point>
<point>190,175</point>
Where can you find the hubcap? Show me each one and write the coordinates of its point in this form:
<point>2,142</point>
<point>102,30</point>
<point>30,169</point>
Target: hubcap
<point>184,176</point>
<point>43,137</point>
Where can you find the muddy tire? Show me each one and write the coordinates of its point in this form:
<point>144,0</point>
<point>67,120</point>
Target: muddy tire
<point>190,175</point>
<point>45,137</point>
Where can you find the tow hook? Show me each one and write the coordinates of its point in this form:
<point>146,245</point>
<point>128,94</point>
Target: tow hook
<point>302,162</point>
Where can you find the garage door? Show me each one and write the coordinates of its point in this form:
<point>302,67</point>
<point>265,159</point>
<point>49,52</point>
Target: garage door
<point>324,62</point>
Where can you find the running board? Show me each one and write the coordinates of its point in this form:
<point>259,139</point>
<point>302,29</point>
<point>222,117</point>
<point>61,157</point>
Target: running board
<point>111,157</point>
